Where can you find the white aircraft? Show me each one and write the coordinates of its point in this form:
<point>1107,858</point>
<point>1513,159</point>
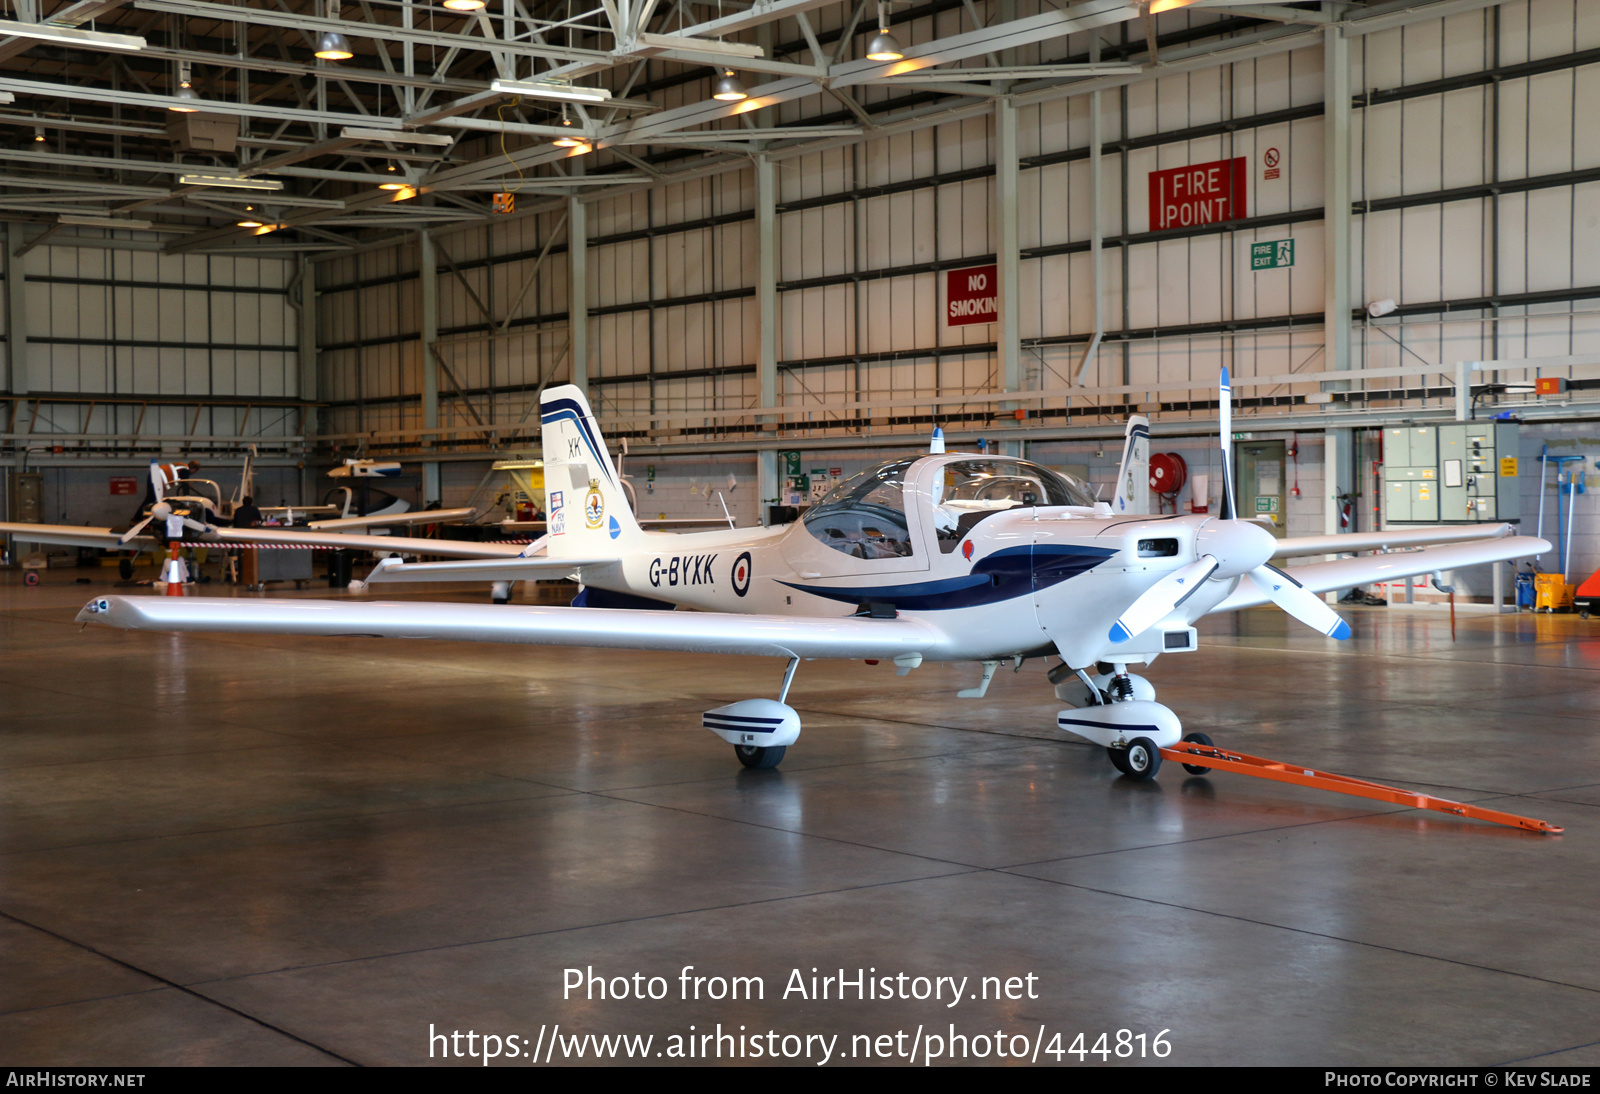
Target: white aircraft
<point>184,500</point>
<point>942,557</point>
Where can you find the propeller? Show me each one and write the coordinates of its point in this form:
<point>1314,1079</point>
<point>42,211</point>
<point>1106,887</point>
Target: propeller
<point>1292,597</point>
<point>1229,548</point>
<point>161,511</point>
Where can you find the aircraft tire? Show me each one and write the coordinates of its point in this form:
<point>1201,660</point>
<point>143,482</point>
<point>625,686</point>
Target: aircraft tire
<point>1142,757</point>
<point>754,756</point>
<point>125,568</point>
<point>1197,739</point>
<point>1119,759</point>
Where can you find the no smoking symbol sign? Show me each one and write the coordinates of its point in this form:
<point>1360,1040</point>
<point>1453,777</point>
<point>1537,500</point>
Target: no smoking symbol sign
<point>1271,159</point>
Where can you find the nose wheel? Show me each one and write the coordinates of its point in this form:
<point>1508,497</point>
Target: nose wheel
<point>1139,759</point>
<point>756,756</point>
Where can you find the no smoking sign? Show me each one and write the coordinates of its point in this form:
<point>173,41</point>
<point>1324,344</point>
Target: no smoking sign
<point>1270,160</point>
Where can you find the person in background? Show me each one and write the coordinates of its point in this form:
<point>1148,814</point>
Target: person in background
<point>248,515</point>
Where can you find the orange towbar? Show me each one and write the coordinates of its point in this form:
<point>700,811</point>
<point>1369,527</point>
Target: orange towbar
<point>1209,756</point>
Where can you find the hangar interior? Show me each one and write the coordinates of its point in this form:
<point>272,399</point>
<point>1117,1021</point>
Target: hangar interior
<point>773,260</point>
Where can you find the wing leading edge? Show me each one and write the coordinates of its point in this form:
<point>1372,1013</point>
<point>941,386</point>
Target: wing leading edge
<point>615,628</point>
<point>1324,577</point>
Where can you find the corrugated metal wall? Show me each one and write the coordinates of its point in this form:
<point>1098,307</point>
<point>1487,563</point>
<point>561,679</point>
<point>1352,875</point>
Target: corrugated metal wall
<point>671,304</point>
<point>122,324</point>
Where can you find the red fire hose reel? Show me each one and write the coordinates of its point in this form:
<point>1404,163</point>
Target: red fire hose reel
<point>1168,473</point>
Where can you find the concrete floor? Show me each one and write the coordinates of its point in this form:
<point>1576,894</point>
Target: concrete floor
<point>277,851</point>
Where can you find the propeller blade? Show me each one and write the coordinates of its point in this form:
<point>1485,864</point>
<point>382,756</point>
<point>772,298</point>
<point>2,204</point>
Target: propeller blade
<point>1225,429</point>
<point>135,530</point>
<point>1292,597</point>
<point>1160,599</point>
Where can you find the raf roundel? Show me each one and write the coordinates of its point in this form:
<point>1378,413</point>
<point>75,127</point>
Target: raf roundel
<point>741,574</point>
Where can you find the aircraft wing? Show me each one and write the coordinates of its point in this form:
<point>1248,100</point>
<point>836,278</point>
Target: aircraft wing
<point>72,535</point>
<point>615,628</point>
<point>400,545</point>
<point>421,516</point>
<point>509,569</point>
<point>1321,577</point>
<point>1393,537</point>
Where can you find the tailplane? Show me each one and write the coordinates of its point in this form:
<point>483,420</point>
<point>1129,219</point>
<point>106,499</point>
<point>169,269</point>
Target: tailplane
<point>585,501</point>
<point>1133,478</point>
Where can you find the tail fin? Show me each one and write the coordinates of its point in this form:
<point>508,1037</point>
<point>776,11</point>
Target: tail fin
<point>587,508</point>
<point>1133,478</point>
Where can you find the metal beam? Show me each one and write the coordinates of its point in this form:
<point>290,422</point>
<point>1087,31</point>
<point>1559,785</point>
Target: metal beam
<point>313,25</point>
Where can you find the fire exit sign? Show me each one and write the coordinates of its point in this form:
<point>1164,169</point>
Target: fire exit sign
<point>1274,254</point>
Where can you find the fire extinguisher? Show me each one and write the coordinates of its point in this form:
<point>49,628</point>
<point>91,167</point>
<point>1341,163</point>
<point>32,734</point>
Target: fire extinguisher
<point>1347,507</point>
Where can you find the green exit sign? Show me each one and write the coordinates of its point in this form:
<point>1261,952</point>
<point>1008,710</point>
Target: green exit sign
<point>1274,254</point>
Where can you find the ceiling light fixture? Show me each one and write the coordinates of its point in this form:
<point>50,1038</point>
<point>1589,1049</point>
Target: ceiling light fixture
<point>71,36</point>
<point>570,140</point>
<point>728,88</point>
<point>38,134</point>
<point>247,222</point>
<point>185,91</point>
<point>883,46</point>
<point>238,182</point>
<point>544,89</point>
<point>333,46</point>
<point>465,5</point>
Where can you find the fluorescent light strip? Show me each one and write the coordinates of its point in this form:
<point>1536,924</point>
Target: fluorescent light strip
<point>545,90</point>
<point>103,222</point>
<point>355,133</point>
<point>703,45</point>
<point>71,36</point>
<point>230,180</point>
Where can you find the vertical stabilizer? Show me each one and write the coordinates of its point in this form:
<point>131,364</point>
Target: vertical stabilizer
<point>1133,477</point>
<point>585,504</point>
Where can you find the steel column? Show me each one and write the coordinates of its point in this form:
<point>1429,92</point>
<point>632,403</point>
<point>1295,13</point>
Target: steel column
<point>1336,190</point>
<point>767,277</point>
<point>578,290</point>
<point>1008,253</point>
<point>16,314</point>
<point>428,289</point>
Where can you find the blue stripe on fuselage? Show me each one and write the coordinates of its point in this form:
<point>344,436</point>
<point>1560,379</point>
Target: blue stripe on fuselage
<point>1004,575</point>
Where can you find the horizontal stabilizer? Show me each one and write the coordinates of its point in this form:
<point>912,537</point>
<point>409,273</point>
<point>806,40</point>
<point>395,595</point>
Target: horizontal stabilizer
<point>1322,577</point>
<point>510,569</point>
<point>614,628</point>
<point>397,545</point>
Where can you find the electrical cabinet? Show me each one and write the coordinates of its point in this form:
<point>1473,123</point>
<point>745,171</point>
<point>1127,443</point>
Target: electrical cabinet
<point>1459,473</point>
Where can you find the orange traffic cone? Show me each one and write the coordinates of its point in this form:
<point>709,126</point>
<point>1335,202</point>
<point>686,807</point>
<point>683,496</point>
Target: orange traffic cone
<point>174,575</point>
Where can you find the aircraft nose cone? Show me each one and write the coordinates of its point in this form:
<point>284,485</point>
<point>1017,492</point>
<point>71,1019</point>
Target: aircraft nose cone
<point>1239,545</point>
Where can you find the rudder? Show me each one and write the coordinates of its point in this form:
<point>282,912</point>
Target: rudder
<point>585,506</point>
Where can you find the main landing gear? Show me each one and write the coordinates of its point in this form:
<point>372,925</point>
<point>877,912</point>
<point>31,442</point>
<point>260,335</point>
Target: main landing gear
<point>760,730</point>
